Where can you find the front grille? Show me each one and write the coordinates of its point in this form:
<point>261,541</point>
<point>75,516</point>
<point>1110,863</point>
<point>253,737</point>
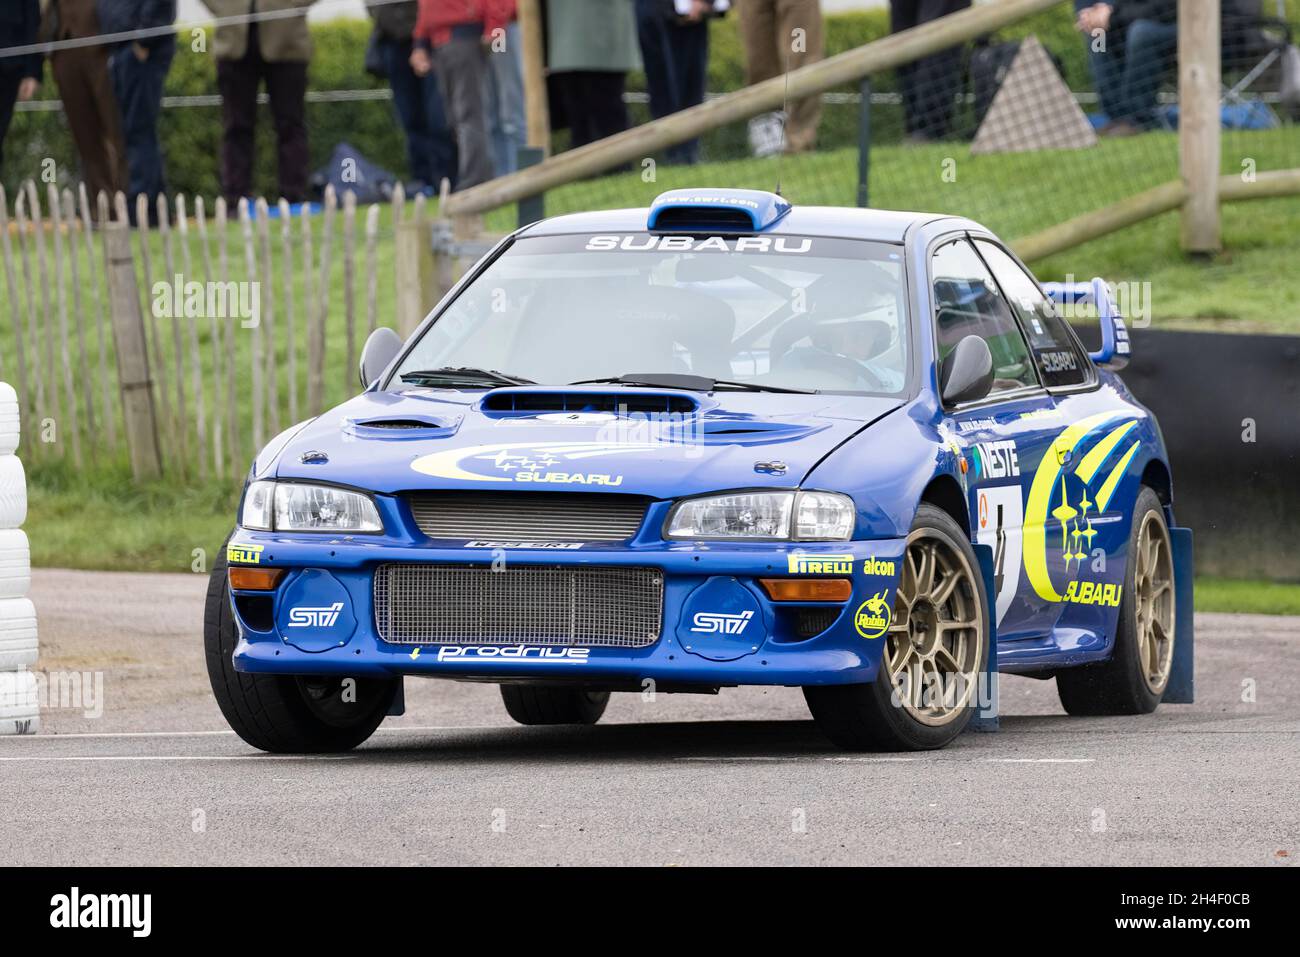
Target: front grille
<point>534,604</point>
<point>528,516</point>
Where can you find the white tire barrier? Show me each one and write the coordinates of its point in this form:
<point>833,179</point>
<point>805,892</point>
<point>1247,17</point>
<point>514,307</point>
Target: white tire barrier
<point>20,711</point>
<point>17,633</point>
<point>13,492</point>
<point>8,419</point>
<point>15,563</point>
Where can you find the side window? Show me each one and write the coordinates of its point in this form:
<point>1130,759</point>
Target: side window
<point>967,303</point>
<point>1059,359</point>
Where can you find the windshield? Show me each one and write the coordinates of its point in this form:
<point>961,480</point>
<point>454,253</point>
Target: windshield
<point>789,312</point>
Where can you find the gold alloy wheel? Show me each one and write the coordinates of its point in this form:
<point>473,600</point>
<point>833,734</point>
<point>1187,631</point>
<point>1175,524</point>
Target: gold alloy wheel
<point>1153,601</point>
<point>935,643</point>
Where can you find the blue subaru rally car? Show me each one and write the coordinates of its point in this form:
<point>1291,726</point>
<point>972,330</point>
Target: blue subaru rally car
<point>720,442</point>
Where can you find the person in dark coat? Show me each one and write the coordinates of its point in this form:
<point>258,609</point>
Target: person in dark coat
<point>20,22</point>
<point>930,84</point>
<point>138,68</point>
<point>674,38</point>
<point>430,147</point>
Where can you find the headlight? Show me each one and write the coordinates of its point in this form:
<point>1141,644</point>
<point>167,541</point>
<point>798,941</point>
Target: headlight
<point>308,508</point>
<point>793,516</point>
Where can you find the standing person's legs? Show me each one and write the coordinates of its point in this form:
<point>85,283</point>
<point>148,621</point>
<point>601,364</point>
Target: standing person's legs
<point>139,88</point>
<point>460,66</point>
<point>504,97</point>
<point>9,83</point>
<point>691,59</point>
<point>408,101</point>
<point>605,106</point>
<point>84,85</point>
<point>903,15</point>
<point>656,54</point>
<point>286,85</point>
<point>237,81</point>
<point>1149,49</point>
<point>446,160</point>
<point>937,78</point>
<point>757,29</point>
<point>805,15</point>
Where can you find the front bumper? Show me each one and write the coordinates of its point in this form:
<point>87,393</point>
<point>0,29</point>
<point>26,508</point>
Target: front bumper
<point>325,575</point>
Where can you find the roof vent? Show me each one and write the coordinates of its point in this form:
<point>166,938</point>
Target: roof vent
<point>715,211</point>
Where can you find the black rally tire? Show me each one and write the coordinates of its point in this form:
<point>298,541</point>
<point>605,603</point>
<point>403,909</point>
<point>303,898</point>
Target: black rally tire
<point>864,717</point>
<point>533,704</point>
<point>1116,686</point>
<point>273,712</point>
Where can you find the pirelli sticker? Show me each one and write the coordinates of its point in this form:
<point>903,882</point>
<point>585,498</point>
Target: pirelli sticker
<point>243,554</point>
<point>820,564</point>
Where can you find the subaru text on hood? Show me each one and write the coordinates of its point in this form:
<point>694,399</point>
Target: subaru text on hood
<point>722,442</point>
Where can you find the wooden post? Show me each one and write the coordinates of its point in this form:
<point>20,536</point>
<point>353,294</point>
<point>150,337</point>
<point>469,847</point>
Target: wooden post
<point>72,427</point>
<point>50,399</point>
<point>266,303</point>
<point>96,267</point>
<point>214,324</point>
<point>87,383</point>
<point>159,366</point>
<point>406,264</point>
<point>349,286</point>
<point>533,58</point>
<point>255,332</point>
<point>132,349</point>
<point>192,327</point>
<point>1198,122</point>
<point>290,339</point>
<point>316,334</point>
<point>37,399</point>
<point>372,270</point>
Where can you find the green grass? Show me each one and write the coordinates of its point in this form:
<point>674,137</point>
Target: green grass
<point>98,517</point>
<point>1256,597</point>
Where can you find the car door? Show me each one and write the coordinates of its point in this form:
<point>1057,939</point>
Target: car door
<point>1002,435</point>
<point>1068,523</point>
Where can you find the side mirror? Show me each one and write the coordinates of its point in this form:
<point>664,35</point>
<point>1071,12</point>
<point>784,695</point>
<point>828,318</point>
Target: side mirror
<point>967,372</point>
<point>380,350</point>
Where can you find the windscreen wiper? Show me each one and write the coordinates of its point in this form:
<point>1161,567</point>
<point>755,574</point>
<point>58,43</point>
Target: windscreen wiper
<point>463,375</point>
<point>691,383</point>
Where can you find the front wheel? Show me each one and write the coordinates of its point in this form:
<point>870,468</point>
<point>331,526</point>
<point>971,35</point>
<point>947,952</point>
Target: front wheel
<point>936,647</point>
<point>286,714</point>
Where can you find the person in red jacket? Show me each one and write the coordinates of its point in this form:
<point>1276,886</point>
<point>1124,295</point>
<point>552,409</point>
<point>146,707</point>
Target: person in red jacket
<point>454,38</point>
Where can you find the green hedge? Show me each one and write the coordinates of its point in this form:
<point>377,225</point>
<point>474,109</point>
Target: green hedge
<point>192,135</point>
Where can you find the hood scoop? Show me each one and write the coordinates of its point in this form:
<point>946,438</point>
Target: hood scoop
<point>579,402</point>
<point>403,427</point>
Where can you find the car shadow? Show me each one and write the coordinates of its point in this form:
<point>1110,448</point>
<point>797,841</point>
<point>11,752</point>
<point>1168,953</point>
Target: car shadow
<point>720,741</point>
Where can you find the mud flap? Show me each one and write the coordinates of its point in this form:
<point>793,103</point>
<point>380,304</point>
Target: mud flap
<point>986,708</point>
<point>397,707</point>
<point>1181,684</point>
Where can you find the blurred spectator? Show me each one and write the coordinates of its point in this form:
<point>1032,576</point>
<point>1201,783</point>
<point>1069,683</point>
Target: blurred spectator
<point>82,76</point>
<point>931,83</point>
<point>274,51</point>
<point>781,34</point>
<point>1131,43</point>
<point>138,69</point>
<point>674,37</point>
<point>452,39</point>
<point>590,47</point>
<point>430,148</point>
<point>504,99</point>
<point>20,23</point>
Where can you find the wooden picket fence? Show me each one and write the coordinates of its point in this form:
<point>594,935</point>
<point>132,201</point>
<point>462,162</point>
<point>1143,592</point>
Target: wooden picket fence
<point>103,359</point>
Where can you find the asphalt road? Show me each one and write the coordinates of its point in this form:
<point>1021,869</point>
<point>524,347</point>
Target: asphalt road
<point>741,778</point>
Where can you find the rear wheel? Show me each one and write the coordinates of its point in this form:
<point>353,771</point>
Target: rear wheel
<point>1134,679</point>
<point>936,646</point>
<point>282,713</point>
<point>533,704</point>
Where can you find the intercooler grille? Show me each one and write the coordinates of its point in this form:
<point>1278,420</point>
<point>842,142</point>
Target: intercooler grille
<point>608,606</point>
<point>528,516</point>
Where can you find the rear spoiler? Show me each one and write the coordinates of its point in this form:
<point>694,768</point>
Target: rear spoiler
<point>1115,346</point>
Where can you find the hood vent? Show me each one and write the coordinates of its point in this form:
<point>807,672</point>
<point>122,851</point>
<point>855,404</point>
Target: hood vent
<point>403,427</point>
<point>620,403</point>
